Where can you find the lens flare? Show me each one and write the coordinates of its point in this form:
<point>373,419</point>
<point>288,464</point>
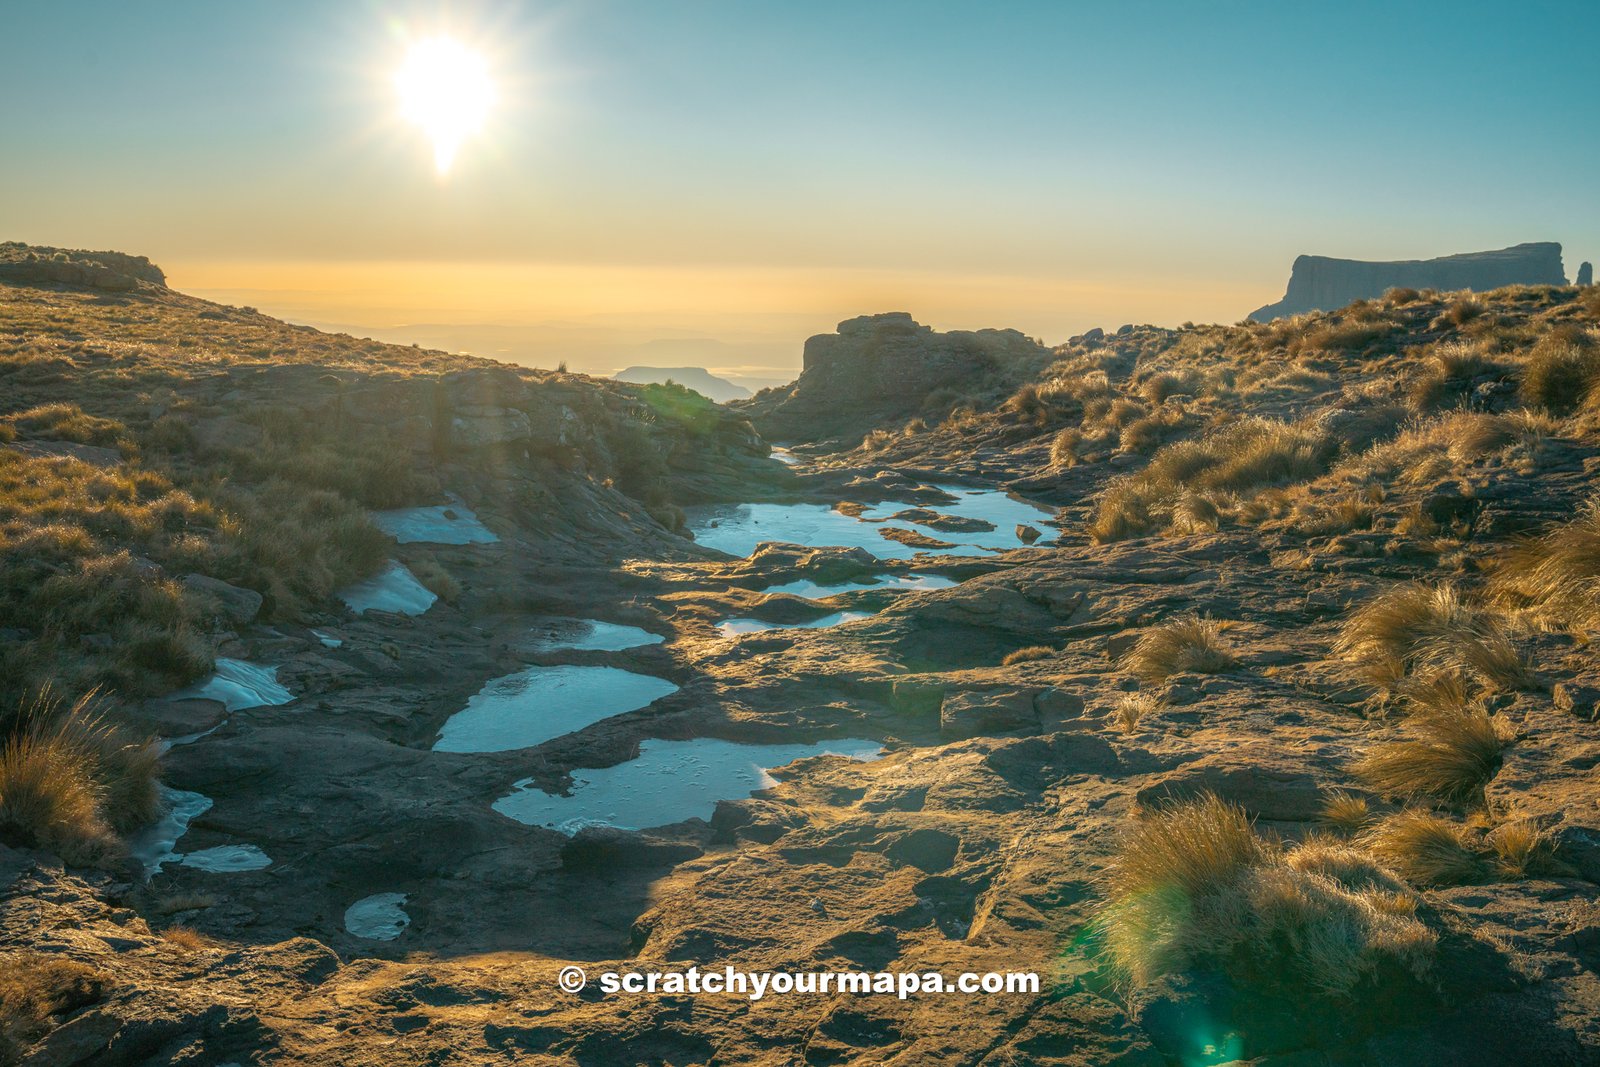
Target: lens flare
<point>446,92</point>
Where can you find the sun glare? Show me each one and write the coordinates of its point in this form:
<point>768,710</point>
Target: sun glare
<point>446,92</point>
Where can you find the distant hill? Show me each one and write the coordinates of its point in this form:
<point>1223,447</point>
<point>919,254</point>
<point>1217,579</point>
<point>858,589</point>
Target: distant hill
<point>699,379</point>
<point>1320,283</point>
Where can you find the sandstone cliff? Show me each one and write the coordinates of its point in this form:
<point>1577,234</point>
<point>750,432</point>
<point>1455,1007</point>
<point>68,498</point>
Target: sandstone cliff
<point>1320,283</point>
<point>879,370</point>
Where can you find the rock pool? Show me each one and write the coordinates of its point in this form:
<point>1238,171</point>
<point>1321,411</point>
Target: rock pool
<point>670,781</point>
<point>448,524</point>
<point>738,528</point>
<point>736,627</point>
<point>379,917</point>
<point>538,704</point>
<point>237,685</point>
<point>555,635</point>
<point>394,589</point>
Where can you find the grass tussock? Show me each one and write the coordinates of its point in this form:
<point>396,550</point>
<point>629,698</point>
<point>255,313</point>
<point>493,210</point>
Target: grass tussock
<point>1425,849</point>
<point>1133,708</point>
<point>1556,577</point>
<point>71,780</point>
<point>1417,631</point>
<point>1031,654</point>
<point>1190,643</point>
<point>1346,812</point>
<point>34,990</point>
<point>1238,459</point>
<point>1448,755</point>
<point>1521,849</point>
<point>1561,371</point>
<point>1195,883</point>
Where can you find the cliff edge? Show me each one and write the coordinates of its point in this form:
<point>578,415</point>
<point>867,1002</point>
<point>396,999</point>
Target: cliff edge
<point>1321,283</point>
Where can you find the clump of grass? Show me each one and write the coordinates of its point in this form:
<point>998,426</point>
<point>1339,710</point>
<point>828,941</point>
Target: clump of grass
<point>67,422</point>
<point>1238,459</point>
<point>1030,654</point>
<point>1557,576</point>
<point>1346,812</point>
<point>1418,629</point>
<point>1065,447</point>
<point>1560,372</point>
<point>1521,849</point>
<point>34,989</point>
<point>1195,882</point>
<point>1449,753</point>
<point>437,580</point>
<point>70,780</point>
<point>1424,848</point>
<point>1132,708</point>
<point>187,940</point>
<point>1188,643</point>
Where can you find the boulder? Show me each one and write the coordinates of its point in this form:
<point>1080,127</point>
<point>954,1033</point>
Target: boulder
<point>479,426</point>
<point>1319,283</point>
<point>1028,534</point>
<point>975,714</point>
<point>239,606</point>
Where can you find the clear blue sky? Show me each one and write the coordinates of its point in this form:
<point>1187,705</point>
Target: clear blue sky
<point>1185,150</point>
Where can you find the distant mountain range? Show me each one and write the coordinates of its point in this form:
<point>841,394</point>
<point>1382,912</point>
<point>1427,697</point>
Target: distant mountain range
<point>699,379</point>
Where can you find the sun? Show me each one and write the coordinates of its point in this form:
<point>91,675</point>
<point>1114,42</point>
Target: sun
<point>445,91</point>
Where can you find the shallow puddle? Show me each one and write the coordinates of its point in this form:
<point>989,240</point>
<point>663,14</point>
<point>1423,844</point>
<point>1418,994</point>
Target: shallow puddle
<point>227,859</point>
<point>669,782</point>
<point>538,704</point>
<point>393,589</point>
<point>589,635</point>
<point>736,627</point>
<point>379,917</point>
<point>448,524</point>
<point>237,685</point>
<point>907,582</point>
<point>738,528</point>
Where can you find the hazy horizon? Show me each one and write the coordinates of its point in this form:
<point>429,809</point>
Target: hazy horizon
<point>749,175</point>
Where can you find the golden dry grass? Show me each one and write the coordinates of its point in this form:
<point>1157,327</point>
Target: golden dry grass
<point>1521,849</point>
<point>1238,459</point>
<point>1418,630</point>
<point>1195,882</point>
<point>1031,654</point>
<point>70,780</point>
<point>1346,812</point>
<point>1448,754</point>
<point>1425,849</point>
<point>35,988</point>
<point>1189,643</point>
<point>1555,577</point>
<point>1132,708</point>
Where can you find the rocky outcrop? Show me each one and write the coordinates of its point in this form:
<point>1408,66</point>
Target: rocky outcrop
<point>1320,283</point>
<point>880,370</point>
<point>20,263</point>
<point>1586,273</point>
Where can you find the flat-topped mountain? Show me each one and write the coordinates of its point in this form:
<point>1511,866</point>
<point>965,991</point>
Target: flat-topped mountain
<point>880,370</point>
<point>699,379</point>
<point>1321,283</point>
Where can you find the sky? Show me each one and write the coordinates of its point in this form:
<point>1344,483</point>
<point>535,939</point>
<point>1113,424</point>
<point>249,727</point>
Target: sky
<point>709,182</point>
